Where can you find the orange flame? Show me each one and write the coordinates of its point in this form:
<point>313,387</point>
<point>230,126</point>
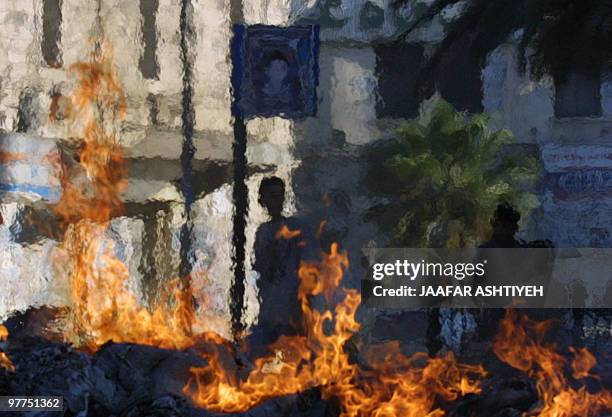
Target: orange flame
<point>520,344</point>
<point>395,385</point>
<point>103,308</point>
<point>5,361</point>
<point>321,228</point>
<point>286,233</point>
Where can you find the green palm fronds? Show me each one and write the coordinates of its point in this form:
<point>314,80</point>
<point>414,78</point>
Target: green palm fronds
<point>442,176</point>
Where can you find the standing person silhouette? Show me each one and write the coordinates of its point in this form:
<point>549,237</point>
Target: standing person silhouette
<point>505,225</point>
<point>280,245</point>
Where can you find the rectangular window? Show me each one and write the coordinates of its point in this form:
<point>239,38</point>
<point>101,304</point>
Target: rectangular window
<point>578,96</point>
<point>148,61</point>
<point>51,36</point>
<point>397,70</point>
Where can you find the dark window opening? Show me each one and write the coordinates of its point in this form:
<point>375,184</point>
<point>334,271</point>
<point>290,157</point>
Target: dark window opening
<point>578,96</point>
<point>457,76</point>
<point>405,79</point>
<point>52,20</point>
<point>148,61</point>
<point>397,70</point>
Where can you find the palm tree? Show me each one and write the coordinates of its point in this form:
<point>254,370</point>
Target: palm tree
<point>442,175</point>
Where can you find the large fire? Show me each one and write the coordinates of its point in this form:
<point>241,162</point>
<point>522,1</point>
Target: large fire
<point>393,384</point>
<point>103,309</point>
<point>520,343</point>
<point>387,384</point>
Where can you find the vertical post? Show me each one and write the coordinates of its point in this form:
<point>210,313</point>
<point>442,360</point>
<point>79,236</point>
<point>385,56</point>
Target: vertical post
<point>306,47</point>
<point>241,207</point>
<point>188,150</point>
<point>240,189</point>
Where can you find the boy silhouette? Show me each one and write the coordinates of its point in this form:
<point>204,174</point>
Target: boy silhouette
<point>280,245</point>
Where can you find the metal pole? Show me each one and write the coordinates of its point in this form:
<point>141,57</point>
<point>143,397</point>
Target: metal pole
<point>240,189</point>
<point>188,150</point>
<point>241,207</point>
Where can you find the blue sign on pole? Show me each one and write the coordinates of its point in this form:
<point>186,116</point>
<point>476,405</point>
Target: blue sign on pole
<point>276,71</point>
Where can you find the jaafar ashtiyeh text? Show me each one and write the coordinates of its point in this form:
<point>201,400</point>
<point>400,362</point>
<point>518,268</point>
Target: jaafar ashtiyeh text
<point>461,291</point>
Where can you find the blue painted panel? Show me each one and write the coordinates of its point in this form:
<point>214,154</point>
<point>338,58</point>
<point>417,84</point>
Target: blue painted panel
<point>276,71</point>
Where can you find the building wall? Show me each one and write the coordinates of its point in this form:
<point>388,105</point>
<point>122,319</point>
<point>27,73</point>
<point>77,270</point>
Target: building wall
<point>151,134</point>
<point>574,150</point>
